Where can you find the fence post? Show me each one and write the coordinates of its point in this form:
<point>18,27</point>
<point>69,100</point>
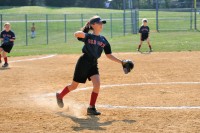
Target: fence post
<point>47,28</point>
<point>157,28</point>
<point>191,18</point>
<point>195,14</point>
<point>1,21</point>
<point>65,17</point>
<point>124,16</point>
<point>134,21</point>
<point>138,20</point>
<point>132,17</point>
<point>81,20</point>
<point>26,28</point>
<point>111,32</point>
<point>124,23</point>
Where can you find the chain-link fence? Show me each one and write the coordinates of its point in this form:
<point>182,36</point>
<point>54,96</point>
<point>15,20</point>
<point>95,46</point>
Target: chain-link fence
<point>171,19</point>
<point>59,28</point>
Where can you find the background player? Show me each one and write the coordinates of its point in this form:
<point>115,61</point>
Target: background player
<point>86,67</point>
<point>144,35</point>
<point>33,30</point>
<point>8,37</point>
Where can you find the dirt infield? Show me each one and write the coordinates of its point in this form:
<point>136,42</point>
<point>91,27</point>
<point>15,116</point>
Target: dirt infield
<point>161,94</point>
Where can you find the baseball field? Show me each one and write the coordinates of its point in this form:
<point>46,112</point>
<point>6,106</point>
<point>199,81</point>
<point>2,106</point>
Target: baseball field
<point>160,95</point>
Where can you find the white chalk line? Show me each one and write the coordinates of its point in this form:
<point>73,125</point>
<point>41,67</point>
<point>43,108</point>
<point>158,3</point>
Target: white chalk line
<point>138,84</point>
<point>134,84</point>
<point>139,107</point>
<point>33,59</point>
<point>149,107</point>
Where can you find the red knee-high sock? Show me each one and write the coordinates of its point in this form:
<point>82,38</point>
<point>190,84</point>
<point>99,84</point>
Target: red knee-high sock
<point>0,56</point>
<point>93,99</point>
<point>6,59</point>
<point>64,92</point>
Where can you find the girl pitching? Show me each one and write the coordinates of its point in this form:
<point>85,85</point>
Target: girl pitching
<point>8,38</point>
<point>87,64</point>
<point>144,34</point>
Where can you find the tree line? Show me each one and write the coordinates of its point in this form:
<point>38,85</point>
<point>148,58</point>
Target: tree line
<point>114,4</point>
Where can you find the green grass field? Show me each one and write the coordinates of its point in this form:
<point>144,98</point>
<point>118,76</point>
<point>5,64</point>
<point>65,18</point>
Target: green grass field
<point>163,41</point>
<point>53,10</point>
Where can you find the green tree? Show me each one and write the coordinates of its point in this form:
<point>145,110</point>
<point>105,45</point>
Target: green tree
<point>14,3</point>
<point>59,3</point>
<point>33,2</point>
<point>90,3</point>
<point>117,4</point>
<point>167,3</point>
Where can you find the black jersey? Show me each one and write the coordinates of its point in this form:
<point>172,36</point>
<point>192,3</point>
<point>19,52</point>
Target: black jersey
<point>144,30</point>
<point>94,45</point>
<point>7,36</point>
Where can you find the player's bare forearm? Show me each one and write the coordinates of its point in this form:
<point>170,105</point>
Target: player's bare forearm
<point>113,58</point>
<point>79,34</point>
<point>12,40</point>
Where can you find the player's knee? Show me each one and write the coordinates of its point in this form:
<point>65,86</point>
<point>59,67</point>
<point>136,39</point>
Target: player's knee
<point>4,55</point>
<point>72,87</point>
<point>96,90</point>
<point>97,86</point>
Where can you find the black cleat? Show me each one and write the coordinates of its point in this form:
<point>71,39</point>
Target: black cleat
<point>59,101</point>
<point>151,50</point>
<point>92,111</point>
<point>5,65</point>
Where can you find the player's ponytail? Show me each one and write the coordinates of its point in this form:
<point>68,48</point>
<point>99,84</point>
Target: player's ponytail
<point>87,27</point>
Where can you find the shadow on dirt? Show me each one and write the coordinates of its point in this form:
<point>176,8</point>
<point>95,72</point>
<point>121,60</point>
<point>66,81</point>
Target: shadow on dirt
<point>91,122</point>
<point>4,68</point>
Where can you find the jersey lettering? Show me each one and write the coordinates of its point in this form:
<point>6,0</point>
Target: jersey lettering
<point>145,29</point>
<point>94,42</point>
<point>7,35</point>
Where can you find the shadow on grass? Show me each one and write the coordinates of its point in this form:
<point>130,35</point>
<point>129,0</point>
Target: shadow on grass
<point>91,122</point>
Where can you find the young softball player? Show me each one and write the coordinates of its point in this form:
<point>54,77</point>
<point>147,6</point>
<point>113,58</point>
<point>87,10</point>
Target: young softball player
<point>144,34</point>
<point>7,37</point>
<point>87,64</point>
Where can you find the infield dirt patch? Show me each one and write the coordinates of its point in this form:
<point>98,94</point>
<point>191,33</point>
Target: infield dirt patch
<point>28,104</point>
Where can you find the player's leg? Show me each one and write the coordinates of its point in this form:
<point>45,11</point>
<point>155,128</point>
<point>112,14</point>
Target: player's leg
<point>31,34</point>
<point>68,88</point>
<point>80,76</point>
<point>5,59</point>
<point>65,91</point>
<point>34,34</point>
<point>148,42</point>
<point>0,54</point>
<point>96,87</point>
<point>139,46</point>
